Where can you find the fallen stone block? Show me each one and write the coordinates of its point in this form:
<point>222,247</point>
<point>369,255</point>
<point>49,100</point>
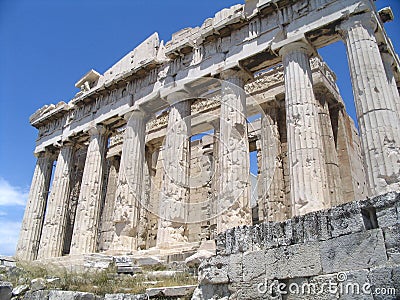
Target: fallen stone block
<point>173,291</point>
<point>195,260</point>
<point>20,290</point>
<point>70,295</point>
<point>217,291</point>
<point>38,295</point>
<point>147,261</point>
<point>38,284</point>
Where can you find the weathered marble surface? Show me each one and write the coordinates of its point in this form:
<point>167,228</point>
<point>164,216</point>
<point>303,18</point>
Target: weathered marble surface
<point>333,244</point>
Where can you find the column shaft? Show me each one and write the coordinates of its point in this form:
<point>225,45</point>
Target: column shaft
<point>234,160</point>
<point>375,105</point>
<point>305,148</point>
<point>174,198</point>
<point>52,240</point>
<point>31,228</point>
<point>128,198</point>
<point>330,154</point>
<point>84,237</point>
<point>387,63</point>
<point>260,188</point>
<point>107,226</point>
<point>144,214</point>
<point>275,206</point>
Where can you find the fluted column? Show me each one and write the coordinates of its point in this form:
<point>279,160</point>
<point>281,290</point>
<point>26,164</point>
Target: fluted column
<point>330,154</point>
<point>388,60</point>
<point>305,148</point>
<point>234,161</point>
<point>174,198</point>
<point>128,198</point>
<point>215,180</point>
<point>275,207</point>
<point>375,105</point>
<point>53,233</point>
<point>31,228</point>
<point>84,237</point>
<point>106,227</point>
<point>144,209</point>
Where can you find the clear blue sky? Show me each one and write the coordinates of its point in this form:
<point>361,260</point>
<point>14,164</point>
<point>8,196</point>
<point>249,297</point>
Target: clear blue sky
<point>46,46</point>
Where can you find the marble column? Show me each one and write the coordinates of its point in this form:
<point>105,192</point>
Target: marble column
<point>378,120</point>
<point>128,197</point>
<point>330,154</point>
<point>31,228</point>
<point>275,207</point>
<point>84,237</point>
<point>261,216</point>
<point>107,226</point>
<point>305,149</point>
<point>144,209</point>
<point>215,180</point>
<point>174,197</point>
<point>388,60</point>
<point>154,186</point>
<point>234,160</point>
<point>53,233</point>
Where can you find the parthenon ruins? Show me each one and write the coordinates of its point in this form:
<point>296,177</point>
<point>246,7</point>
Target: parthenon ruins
<point>155,152</point>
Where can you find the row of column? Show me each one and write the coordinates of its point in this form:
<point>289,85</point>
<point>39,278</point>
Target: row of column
<point>377,104</point>
<point>44,224</point>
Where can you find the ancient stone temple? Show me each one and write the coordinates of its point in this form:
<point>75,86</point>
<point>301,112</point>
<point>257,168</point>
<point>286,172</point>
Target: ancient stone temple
<point>155,152</point>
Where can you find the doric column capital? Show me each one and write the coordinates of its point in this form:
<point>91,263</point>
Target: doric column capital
<point>98,130</point>
<point>137,114</point>
<point>66,143</point>
<point>299,46</point>
<point>44,154</point>
<point>178,96</point>
<point>235,76</point>
<point>366,20</point>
